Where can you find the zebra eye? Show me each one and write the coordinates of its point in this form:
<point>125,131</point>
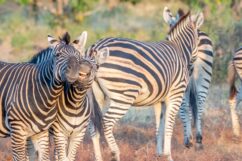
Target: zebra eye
<point>58,54</point>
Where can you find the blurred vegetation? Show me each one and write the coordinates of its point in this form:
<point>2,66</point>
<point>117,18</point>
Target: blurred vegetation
<point>25,24</point>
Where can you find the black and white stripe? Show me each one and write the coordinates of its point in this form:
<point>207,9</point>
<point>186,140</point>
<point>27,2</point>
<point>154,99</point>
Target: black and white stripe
<point>235,69</point>
<point>141,74</point>
<point>200,79</point>
<point>28,95</point>
<point>74,106</point>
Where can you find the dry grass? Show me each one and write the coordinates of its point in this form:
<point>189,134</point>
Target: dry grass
<point>136,137</point>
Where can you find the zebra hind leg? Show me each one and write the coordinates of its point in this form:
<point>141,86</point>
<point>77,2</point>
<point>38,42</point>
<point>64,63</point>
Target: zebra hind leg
<point>185,116</point>
<point>173,103</point>
<point>95,135</point>
<point>233,102</point>
<point>159,119</point>
<point>198,121</point>
<point>186,120</point>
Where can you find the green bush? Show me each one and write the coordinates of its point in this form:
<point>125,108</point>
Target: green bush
<point>19,41</point>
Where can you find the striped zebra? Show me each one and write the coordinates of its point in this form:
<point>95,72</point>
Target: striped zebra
<point>74,107</point>
<point>234,69</point>
<point>143,74</point>
<point>29,93</point>
<point>200,79</point>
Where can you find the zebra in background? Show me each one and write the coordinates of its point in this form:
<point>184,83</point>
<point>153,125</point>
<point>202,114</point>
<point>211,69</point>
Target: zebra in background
<point>29,93</point>
<point>200,79</point>
<point>143,74</point>
<point>74,106</point>
<point>234,69</point>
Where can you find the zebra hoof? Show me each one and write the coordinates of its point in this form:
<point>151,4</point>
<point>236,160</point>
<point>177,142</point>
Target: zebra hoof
<point>163,157</point>
<point>114,157</point>
<point>188,143</point>
<point>199,147</point>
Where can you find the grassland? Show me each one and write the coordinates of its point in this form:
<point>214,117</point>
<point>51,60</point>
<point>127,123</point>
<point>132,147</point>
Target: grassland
<point>135,135</point>
<point>21,37</point>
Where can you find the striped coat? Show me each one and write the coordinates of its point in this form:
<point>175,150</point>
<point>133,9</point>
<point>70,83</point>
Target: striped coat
<point>140,74</point>
<point>201,75</point>
<point>28,95</point>
<point>74,107</point>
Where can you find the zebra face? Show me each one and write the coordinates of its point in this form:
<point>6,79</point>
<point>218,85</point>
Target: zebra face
<point>87,73</point>
<point>67,57</point>
<point>89,65</point>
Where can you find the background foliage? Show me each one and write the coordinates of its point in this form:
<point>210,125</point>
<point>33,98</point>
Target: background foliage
<point>26,23</point>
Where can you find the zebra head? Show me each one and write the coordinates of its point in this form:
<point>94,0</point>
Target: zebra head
<point>186,26</point>
<point>89,64</point>
<point>67,57</point>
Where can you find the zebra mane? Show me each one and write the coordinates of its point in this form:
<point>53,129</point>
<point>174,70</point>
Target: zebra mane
<point>183,18</point>
<point>45,53</point>
<point>180,12</point>
<point>66,38</point>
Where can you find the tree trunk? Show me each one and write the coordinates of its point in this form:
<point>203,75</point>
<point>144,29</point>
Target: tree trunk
<point>59,7</point>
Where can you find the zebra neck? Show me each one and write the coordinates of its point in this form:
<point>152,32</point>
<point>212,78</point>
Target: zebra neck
<point>76,96</point>
<point>46,79</point>
<point>184,41</point>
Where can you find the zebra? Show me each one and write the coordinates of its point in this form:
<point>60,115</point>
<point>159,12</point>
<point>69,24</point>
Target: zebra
<point>234,68</point>
<point>142,74</point>
<point>200,79</point>
<point>29,93</point>
<point>74,107</point>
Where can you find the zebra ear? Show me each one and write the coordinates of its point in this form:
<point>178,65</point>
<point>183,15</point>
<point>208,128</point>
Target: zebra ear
<point>101,55</point>
<point>198,20</point>
<point>52,41</point>
<point>167,16</point>
<point>80,42</point>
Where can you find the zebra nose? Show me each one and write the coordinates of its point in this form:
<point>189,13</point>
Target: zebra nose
<point>83,75</point>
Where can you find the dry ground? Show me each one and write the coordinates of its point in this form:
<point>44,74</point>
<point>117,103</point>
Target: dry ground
<point>135,135</point>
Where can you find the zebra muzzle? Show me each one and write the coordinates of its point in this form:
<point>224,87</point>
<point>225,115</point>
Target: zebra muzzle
<point>82,75</point>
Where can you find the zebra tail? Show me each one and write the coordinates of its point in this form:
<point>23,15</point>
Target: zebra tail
<point>96,115</point>
<point>193,102</point>
<point>231,80</point>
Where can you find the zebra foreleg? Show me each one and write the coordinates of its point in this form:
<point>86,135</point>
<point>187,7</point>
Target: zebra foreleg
<point>43,146</point>
<point>61,141</point>
<point>115,112</point>
<point>32,151</point>
<point>74,143</point>
<point>95,135</point>
<point>19,142</point>
<point>39,143</point>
